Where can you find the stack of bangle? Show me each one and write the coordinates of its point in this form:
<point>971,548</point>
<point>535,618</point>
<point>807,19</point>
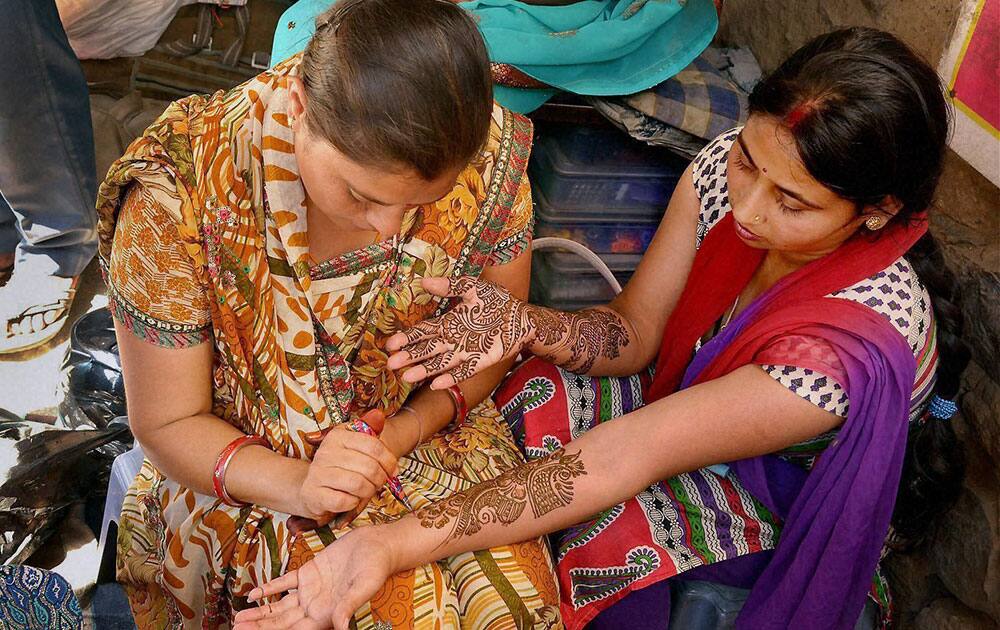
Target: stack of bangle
<point>461,408</point>
<point>222,464</point>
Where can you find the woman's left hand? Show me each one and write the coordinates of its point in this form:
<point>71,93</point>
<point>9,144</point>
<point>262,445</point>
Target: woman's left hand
<point>327,590</point>
<point>487,326</point>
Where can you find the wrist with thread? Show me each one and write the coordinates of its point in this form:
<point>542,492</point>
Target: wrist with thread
<point>420,422</point>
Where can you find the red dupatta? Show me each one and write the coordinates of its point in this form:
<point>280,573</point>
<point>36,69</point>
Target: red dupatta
<point>723,267</point>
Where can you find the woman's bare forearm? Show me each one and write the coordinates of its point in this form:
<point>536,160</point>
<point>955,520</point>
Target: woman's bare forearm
<point>170,402</point>
<point>542,496</point>
<point>186,450</point>
<point>743,414</point>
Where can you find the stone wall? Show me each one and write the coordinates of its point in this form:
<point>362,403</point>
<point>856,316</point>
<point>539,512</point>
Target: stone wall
<point>955,581</point>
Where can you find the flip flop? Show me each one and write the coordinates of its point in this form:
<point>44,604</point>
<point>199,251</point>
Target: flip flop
<point>38,323</point>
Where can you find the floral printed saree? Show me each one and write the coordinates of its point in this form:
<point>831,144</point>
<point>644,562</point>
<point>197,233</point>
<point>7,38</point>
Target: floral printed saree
<point>212,248</point>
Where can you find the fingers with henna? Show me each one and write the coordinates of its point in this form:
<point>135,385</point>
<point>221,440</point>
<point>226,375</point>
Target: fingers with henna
<point>427,329</point>
<point>435,365</point>
<point>463,372</point>
<point>417,352</point>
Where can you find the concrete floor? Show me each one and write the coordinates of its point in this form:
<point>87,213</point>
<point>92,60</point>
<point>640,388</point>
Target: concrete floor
<point>30,387</point>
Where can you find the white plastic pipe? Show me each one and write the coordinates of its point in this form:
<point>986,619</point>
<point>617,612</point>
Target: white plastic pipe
<point>555,242</point>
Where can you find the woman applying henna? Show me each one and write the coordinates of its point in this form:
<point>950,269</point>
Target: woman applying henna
<point>260,245</point>
<point>785,302</point>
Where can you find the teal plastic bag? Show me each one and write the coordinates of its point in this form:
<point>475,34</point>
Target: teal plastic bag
<point>594,47</point>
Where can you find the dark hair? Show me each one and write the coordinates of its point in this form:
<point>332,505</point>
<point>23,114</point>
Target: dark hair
<point>399,83</point>
<point>870,120</point>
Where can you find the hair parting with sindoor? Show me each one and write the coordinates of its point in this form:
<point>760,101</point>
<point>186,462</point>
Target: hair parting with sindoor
<point>870,121</point>
<point>399,84</point>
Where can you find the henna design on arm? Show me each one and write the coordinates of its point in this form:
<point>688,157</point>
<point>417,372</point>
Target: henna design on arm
<point>544,484</point>
<point>585,336</point>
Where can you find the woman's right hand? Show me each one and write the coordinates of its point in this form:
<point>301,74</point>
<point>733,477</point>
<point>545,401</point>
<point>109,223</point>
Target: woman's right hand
<point>346,471</point>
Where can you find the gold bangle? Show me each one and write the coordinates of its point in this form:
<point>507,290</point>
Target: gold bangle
<point>420,422</point>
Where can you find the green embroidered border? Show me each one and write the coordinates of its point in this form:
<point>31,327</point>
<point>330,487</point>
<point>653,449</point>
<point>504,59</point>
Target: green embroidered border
<point>510,167</point>
<point>155,331</point>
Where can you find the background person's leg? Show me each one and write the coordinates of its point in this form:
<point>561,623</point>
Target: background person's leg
<point>9,238</point>
<point>47,171</point>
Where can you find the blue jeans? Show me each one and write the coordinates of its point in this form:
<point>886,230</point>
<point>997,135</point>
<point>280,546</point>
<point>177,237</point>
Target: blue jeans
<point>47,174</point>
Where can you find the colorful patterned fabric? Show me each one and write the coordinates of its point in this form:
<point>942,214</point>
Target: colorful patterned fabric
<point>31,598</point>
<point>210,243</point>
<point>691,520</point>
<point>698,100</point>
<point>673,526</point>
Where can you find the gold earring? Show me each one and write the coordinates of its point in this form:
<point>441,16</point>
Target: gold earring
<point>873,223</point>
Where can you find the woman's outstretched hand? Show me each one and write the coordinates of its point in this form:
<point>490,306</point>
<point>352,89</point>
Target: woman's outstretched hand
<point>486,327</point>
<point>327,590</point>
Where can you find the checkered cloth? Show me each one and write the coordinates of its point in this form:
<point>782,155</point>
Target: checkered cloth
<point>699,100</point>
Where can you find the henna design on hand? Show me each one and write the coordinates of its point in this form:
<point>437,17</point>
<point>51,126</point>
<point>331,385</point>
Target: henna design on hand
<point>490,319</point>
<point>439,362</point>
<point>544,484</point>
<point>491,325</point>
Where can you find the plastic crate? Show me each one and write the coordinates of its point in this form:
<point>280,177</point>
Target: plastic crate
<point>538,296</point>
<point>621,231</point>
<point>567,282</point>
<point>595,168</point>
<point>561,262</point>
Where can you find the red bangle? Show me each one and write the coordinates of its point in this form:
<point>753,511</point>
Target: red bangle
<point>222,464</point>
<point>461,408</point>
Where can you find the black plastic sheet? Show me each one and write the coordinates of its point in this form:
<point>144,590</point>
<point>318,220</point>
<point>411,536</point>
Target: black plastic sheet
<point>45,470</point>
<point>92,389</point>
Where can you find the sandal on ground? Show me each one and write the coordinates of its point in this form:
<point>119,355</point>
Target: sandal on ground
<point>40,322</point>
